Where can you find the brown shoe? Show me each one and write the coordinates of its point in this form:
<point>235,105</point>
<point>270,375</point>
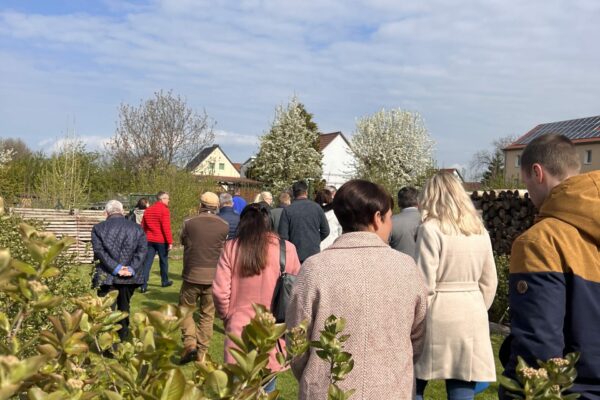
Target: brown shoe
<point>188,355</point>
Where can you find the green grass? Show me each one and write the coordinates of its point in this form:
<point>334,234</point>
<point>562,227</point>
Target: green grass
<point>156,296</point>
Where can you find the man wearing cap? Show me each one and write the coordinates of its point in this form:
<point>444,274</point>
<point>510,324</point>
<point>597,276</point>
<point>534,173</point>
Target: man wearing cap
<point>203,237</point>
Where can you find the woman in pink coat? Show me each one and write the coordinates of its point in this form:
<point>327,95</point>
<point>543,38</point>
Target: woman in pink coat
<point>247,273</point>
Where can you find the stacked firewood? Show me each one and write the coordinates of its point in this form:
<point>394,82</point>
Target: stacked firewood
<point>506,214</point>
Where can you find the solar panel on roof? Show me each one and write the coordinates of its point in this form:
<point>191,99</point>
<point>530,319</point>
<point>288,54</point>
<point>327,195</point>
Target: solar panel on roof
<point>583,128</point>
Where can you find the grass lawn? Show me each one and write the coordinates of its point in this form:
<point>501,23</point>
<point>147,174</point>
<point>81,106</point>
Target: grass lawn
<point>156,296</point>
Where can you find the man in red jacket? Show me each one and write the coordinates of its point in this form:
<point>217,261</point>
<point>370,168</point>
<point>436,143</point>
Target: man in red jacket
<point>157,226</point>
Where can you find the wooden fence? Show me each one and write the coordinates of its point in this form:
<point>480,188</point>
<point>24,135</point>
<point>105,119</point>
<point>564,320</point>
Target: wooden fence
<point>77,224</point>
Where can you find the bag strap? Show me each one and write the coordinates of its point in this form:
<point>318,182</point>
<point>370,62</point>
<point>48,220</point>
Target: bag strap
<point>281,256</point>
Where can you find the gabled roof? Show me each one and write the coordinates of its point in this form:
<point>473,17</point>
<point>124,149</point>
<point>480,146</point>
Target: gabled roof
<point>326,138</point>
<point>203,155</point>
<point>237,166</point>
<point>582,130</point>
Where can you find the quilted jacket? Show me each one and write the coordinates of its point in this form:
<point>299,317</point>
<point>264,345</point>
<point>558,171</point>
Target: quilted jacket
<point>118,241</point>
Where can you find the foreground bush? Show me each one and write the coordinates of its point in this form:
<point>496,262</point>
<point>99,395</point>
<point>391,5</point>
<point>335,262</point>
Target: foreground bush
<point>80,356</point>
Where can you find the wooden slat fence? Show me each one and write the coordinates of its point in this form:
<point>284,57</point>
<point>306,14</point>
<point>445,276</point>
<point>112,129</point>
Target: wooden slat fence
<point>77,224</point>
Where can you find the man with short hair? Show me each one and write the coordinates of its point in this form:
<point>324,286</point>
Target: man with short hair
<point>238,201</point>
<point>303,223</point>
<point>203,237</point>
<point>405,224</point>
<point>554,280</point>
<point>228,214</point>
<point>156,223</point>
<point>284,201</point>
<point>120,248</point>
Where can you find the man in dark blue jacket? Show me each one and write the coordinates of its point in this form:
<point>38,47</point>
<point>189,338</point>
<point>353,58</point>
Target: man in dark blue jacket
<point>303,223</point>
<point>120,248</point>
<point>228,214</point>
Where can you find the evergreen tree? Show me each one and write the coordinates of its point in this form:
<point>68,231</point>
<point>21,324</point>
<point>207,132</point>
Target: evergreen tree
<point>290,150</point>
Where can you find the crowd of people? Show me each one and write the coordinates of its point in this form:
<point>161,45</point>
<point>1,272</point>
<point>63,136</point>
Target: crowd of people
<point>414,287</point>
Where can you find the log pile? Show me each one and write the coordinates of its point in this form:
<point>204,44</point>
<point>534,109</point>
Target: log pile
<point>506,214</point>
<point>77,224</point>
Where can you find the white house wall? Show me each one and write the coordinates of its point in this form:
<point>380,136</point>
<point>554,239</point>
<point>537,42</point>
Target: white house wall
<point>337,162</point>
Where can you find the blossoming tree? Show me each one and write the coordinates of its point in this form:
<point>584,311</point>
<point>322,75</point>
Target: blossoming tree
<point>289,151</point>
<point>392,148</point>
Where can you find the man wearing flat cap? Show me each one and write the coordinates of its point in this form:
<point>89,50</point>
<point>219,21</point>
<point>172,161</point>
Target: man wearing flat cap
<point>203,237</point>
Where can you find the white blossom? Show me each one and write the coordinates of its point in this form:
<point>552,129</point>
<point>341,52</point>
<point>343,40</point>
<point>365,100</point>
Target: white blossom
<point>392,148</point>
<point>288,152</point>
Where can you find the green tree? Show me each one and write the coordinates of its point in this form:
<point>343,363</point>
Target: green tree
<point>289,151</point>
<point>488,165</point>
<point>65,180</point>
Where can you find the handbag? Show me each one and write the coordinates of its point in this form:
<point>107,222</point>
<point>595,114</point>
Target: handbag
<point>283,287</point>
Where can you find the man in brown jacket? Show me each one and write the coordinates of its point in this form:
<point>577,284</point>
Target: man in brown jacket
<point>203,237</point>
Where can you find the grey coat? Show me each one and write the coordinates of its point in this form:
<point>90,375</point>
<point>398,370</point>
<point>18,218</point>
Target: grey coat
<point>404,230</point>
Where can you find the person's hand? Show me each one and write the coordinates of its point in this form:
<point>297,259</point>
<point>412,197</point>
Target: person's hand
<point>170,246</point>
<point>124,272</point>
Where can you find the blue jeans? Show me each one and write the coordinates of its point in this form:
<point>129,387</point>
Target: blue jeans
<point>271,386</point>
<point>455,389</point>
<point>163,256</point>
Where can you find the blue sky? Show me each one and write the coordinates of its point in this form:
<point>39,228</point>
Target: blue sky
<point>476,71</point>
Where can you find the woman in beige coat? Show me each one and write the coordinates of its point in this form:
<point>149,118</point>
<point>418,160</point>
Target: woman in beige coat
<point>454,253</point>
<point>379,291</point>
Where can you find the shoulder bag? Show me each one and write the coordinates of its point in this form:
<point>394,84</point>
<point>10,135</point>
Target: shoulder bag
<point>283,288</point>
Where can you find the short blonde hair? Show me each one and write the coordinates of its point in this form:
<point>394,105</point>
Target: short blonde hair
<point>444,199</point>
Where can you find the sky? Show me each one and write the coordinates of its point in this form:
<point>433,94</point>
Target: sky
<point>476,71</point>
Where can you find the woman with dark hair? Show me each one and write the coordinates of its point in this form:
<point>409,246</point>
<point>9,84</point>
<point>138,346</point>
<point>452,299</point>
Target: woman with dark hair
<point>324,198</point>
<point>137,213</point>
<point>379,292</point>
<point>247,273</point>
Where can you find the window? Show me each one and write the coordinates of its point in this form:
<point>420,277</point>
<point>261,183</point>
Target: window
<point>587,159</point>
<point>221,166</point>
<point>211,166</point>
<point>518,161</point>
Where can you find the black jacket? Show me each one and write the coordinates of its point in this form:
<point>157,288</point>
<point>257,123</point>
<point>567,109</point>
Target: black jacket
<point>118,241</point>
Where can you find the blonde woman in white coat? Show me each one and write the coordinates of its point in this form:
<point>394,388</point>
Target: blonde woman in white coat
<point>454,253</point>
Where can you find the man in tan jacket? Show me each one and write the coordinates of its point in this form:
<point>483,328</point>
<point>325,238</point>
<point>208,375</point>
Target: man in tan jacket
<point>203,237</point>
<point>554,280</point>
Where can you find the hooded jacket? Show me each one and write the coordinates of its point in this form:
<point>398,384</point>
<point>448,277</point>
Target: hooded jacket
<point>554,283</point>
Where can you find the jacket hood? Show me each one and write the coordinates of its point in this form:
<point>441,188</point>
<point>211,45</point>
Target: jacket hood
<point>576,201</point>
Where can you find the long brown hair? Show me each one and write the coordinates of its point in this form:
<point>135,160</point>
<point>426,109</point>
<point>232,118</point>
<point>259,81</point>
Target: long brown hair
<point>252,240</point>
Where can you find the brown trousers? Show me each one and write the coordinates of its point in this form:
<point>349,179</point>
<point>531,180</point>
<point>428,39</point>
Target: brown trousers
<point>200,297</point>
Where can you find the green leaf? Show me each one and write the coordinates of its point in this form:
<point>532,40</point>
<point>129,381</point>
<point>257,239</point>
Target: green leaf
<point>238,341</point>
<point>216,383</point>
<point>23,267</point>
<point>50,272</point>
<point>110,395</point>
<point>4,259</point>
<point>4,322</point>
<point>174,385</point>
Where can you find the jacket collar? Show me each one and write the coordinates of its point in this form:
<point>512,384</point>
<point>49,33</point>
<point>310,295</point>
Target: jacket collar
<point>357,239</point>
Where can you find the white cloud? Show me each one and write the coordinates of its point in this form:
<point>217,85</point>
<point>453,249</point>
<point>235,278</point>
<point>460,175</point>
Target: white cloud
<point>475,70</point>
